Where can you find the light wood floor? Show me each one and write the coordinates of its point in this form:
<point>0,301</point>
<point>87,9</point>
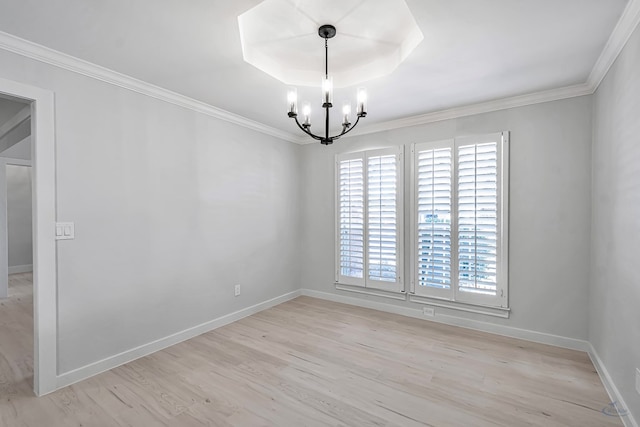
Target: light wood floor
<point>310,362</point>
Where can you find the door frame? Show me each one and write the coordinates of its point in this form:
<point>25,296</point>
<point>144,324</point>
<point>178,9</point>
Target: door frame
<point>45,322</point>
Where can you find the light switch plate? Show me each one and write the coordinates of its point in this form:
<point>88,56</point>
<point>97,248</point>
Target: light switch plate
<point>65,231</point>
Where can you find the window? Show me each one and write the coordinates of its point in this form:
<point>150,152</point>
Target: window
<point>369,218</point>
<point>459,217</point>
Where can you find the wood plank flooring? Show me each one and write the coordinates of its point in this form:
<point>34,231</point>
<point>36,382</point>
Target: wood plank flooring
<point>310,362</point>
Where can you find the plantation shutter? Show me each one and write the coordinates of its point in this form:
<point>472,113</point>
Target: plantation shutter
<point>351,220</point>
<point>433,190</point>
<point>478,218</point>
<point>460,211</point>
<point>382,217</point>
<point>369,219</point>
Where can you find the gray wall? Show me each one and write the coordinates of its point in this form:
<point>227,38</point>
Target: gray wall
<point>171,209</point>
<point>19,231</point>
<point>549,210</point>
<point>614,316</point>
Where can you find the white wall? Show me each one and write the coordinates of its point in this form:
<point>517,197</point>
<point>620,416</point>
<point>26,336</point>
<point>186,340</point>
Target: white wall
<point>171,209</point>
<point>19,229</point>
<point>614,322</point>
<point>549,210</point>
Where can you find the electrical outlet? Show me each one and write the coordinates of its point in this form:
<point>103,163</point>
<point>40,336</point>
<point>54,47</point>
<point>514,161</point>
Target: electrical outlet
<point>429,311</point>
<point>237,290</point>
<point>638,380</point>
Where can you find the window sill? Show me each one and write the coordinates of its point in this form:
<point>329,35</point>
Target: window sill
<point>455,305</point>
<point>370,291</point>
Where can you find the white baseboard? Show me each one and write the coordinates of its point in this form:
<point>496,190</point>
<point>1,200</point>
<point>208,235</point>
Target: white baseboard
<point>111,362</point>
<point>27,268</point>
<point>609,385</point>
<point>539,337</point>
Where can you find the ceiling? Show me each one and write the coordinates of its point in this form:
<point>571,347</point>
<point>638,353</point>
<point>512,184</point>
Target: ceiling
<point>8,109</point>
<point>473,50</point>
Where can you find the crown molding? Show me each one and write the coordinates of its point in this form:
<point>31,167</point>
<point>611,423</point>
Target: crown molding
<point>622,31</point>
<point>58,59</point>
<point>619,36</point>
<point>483,107</point>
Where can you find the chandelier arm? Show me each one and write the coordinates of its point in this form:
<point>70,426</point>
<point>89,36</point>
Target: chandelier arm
<point>345,131</point>
<point>319,138</point>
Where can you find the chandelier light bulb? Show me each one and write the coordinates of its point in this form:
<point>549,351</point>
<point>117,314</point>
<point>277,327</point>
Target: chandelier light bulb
<point>327,91</point>
<point>306,113</point>
<point>292,101</point>
<point>362,102</point>
<point>346,112</point>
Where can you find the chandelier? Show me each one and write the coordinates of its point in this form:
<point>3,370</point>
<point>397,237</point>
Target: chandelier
<point>326,32</point>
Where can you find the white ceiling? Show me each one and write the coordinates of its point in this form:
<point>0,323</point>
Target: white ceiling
<point>473,50</point>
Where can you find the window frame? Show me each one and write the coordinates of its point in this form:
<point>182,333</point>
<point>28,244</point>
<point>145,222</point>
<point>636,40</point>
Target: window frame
<point>501,299</point>
<point>393,287</point>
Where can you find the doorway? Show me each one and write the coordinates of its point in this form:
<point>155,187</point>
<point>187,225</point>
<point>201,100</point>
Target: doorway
<point>38,370</point>
<point>16,246</point>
